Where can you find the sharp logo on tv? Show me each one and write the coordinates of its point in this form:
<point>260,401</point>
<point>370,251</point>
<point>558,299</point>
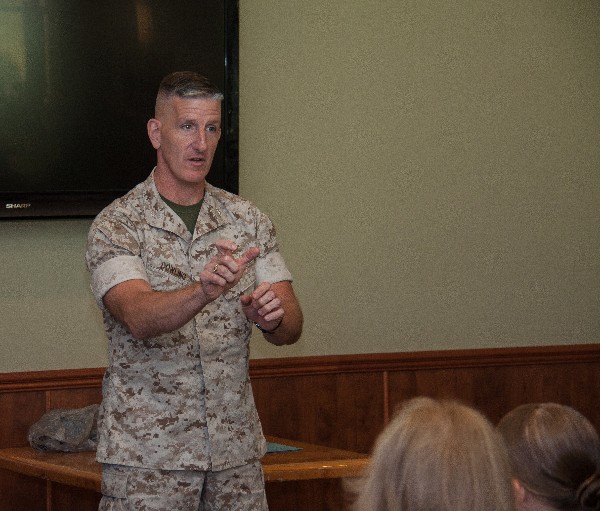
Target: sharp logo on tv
<point>23,205</point>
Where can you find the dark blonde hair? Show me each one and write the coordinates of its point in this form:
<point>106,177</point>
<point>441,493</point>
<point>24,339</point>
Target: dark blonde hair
<point>555,454</point>
<point>438,455</point>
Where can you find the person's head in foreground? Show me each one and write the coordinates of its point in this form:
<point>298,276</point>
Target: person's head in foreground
<point>555,456</point>
<point>437,455</point>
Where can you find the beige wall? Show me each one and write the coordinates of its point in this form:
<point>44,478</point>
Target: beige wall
<point>433,170</point>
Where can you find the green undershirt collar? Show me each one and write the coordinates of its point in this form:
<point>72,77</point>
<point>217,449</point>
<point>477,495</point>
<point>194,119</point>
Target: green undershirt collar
<point>188,214</point>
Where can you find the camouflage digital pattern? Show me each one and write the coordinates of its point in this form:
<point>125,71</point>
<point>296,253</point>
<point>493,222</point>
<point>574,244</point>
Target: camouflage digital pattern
<point>138,489</point>
<point>181,400</point>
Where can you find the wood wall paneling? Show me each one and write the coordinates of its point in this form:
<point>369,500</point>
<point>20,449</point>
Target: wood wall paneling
<point>497,390</point>
<point>21,493</point>
<point>67,498</point>
<point>317,495</point>
<point>339,401</point>
<point>72,398</point>
<point>19,410</point>
<point>24,398</point>
<point>335,410</point>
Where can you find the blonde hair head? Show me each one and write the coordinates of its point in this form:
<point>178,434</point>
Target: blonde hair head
<point>437,455</point>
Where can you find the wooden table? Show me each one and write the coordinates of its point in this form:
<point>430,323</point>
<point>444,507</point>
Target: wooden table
<point>81,469</point>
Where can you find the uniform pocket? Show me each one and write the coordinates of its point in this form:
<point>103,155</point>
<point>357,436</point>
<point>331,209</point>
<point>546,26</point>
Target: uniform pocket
<point>114,481</point>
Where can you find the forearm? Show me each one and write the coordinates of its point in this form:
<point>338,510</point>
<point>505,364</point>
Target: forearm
<point>147,313</point>
<point>290,328</point>
<point>287,331</point>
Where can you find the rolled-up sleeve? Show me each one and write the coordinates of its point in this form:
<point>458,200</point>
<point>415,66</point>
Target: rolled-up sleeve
<point>114,271</point>
<point>270,266</point>
<point>113,255</point>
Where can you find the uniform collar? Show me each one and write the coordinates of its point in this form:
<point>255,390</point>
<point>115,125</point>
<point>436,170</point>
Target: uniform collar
<point>159,215</point>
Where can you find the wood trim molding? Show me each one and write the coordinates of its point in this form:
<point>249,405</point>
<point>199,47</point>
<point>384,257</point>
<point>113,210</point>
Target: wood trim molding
<point>51,380</point>
<point>443,359</point>
<point>335,364</point>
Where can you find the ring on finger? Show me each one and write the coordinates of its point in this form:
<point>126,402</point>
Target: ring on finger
<point>215,268</point>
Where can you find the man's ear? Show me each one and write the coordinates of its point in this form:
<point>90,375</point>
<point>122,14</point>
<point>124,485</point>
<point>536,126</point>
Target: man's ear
<point>520,493</point>
<point>153,127</point>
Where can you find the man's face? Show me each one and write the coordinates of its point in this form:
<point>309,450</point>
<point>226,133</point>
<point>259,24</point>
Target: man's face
<point>185,135</point>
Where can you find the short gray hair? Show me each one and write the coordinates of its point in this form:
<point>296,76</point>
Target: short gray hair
<point>187,84</point>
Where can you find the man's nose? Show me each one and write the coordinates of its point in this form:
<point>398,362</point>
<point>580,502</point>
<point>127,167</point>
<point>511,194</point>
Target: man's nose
<point>199,142</point>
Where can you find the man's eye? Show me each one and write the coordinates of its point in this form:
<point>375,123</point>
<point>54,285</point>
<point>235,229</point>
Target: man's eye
<point>211,129</point>
<point>187,126</point>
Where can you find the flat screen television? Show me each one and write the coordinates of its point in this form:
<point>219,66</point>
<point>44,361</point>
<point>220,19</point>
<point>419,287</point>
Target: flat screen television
<point>78,81</point>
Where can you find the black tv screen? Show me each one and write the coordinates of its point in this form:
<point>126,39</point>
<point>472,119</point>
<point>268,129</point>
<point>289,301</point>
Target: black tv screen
<point>78,81</point>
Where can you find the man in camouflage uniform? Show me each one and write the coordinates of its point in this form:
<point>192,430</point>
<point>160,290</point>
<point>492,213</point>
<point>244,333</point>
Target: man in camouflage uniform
<point>178,428</point>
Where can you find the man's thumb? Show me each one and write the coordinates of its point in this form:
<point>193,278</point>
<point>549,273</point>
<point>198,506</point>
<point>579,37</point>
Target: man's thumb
<point>249,255</point>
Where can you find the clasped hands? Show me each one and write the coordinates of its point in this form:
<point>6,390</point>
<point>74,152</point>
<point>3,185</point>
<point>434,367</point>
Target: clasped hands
<point>224,271</point>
